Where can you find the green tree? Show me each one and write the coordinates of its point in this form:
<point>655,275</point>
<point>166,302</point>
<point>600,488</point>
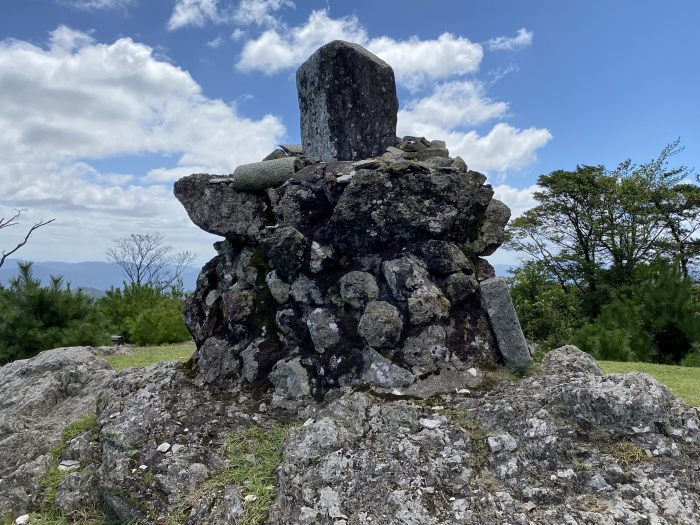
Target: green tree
<point>35,317</point>
<point>593,228</point>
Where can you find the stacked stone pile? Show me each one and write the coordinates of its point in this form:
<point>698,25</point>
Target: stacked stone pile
<point>353,259</point>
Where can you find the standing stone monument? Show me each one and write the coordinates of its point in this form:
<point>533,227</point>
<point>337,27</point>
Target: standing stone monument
<point>353,259</point>
<point>348,103</point>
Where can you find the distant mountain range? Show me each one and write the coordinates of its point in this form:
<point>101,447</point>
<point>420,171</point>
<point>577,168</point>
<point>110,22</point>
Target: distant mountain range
<point>96,277</point>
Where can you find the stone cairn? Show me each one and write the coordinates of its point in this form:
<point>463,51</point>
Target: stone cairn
<point>354,259</point>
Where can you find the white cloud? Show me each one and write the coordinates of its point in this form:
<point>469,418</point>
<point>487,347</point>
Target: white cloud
<point>274,51</point>
<point>96,5</point>
<point>237,34</point>
<point>414,60</point>
<point>519,200</point>
<point>501,149</point>
<point>79,100</point>
<point>504,43</point>
<point>450,105</point>
<point>195,13</point>
<point>66,40</point>
<point>454,106</point>
<point>259,12</point>
<point>215,43</point>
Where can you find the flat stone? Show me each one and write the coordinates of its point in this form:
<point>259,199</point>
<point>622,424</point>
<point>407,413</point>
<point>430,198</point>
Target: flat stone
<point>348,103</point>
<point>495,299</point>
<point>163,447</point>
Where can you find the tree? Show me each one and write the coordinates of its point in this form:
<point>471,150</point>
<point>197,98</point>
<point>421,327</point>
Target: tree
<point>592,228</point>
<point>147,261</point>
<point>13,220</point>
<point>35,318</point>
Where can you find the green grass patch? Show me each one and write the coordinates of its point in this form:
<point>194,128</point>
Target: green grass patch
<point>147,355</point>
<point>253,456</point>
<point>683,381</point>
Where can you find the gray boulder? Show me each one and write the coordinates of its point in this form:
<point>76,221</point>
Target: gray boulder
<point>217,361</point>
<point>381,325</point>
<point>495,299</point>
<point>379,211</point>
<point>358,288</point>
<point>217,208</point>
<point>290,379</point>
<point>492,230</point>
<point>39,397</point>
<point>348,103</point>
<point>324,329</point>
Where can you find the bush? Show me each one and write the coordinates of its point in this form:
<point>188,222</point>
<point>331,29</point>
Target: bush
<point>145,315</point>
<point>35,318</point>
<point>654,320</point>
<point>548,315</point>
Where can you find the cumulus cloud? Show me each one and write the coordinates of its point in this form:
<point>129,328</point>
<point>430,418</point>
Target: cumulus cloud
<point>274,50</point>
<point>195,13</point>
<point>523,38</point>
<point>414,60</point>
<point>519,200</point>
<point>452,104</point>
<point>79,100</point>
<point>501,149</point>
<point>259,12</point>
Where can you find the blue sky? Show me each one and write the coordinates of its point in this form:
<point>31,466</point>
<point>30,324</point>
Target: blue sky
<point>103,103</point>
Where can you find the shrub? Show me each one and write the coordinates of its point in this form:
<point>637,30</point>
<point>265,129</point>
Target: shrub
<point>35,317</point>
<point>145,315</point>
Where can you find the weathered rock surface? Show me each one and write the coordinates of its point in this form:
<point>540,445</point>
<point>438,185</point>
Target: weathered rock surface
<point>565,445</point>
<point>348,103</point>
<point>39,397</point>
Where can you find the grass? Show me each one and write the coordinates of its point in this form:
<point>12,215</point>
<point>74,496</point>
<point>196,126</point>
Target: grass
<point>148,355</point>
<point>253,456</point>
<point>683,381</point>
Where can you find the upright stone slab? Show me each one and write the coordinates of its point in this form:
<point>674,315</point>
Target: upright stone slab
<point>348,103</point>
<point>495,299</point>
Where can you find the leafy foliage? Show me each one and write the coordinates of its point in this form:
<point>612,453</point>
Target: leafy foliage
<point>609,253</point>
<point>145,315</point>
<point>35,317</point>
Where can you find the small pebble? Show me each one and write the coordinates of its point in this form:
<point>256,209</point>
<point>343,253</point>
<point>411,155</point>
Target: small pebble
<point>163,447</point>
<point>22,520</point>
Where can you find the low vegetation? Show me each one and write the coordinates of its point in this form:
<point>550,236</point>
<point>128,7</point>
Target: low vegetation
<point>147,355</point>
<point>683,381</point>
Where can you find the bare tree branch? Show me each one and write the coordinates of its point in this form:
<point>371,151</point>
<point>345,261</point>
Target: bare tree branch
<point>147,261</point>
<point>14,221</point>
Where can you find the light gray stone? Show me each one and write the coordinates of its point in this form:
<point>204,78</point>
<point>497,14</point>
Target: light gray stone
<point>404,275</point>
<point>305,291</point>
<point>267,174</point>
<point>348,103</point>
<point>426,304</point>
<point>422,352</point>
<point>379,371</point>
<point>381,325</point>
<point>495,299</point>
<point>492,230</point>
<point>358,288</point>
<point>324,329</point>
<point>290,379</point>
<point>278,288</point>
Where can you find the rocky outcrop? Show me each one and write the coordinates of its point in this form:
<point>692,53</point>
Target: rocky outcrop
<point>39,397</point>
<point>565,445</point>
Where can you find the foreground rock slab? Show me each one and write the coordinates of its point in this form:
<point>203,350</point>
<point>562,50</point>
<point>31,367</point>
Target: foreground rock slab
<point>39,397</point>
<point>566,445</point>
<point>348,103</point>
